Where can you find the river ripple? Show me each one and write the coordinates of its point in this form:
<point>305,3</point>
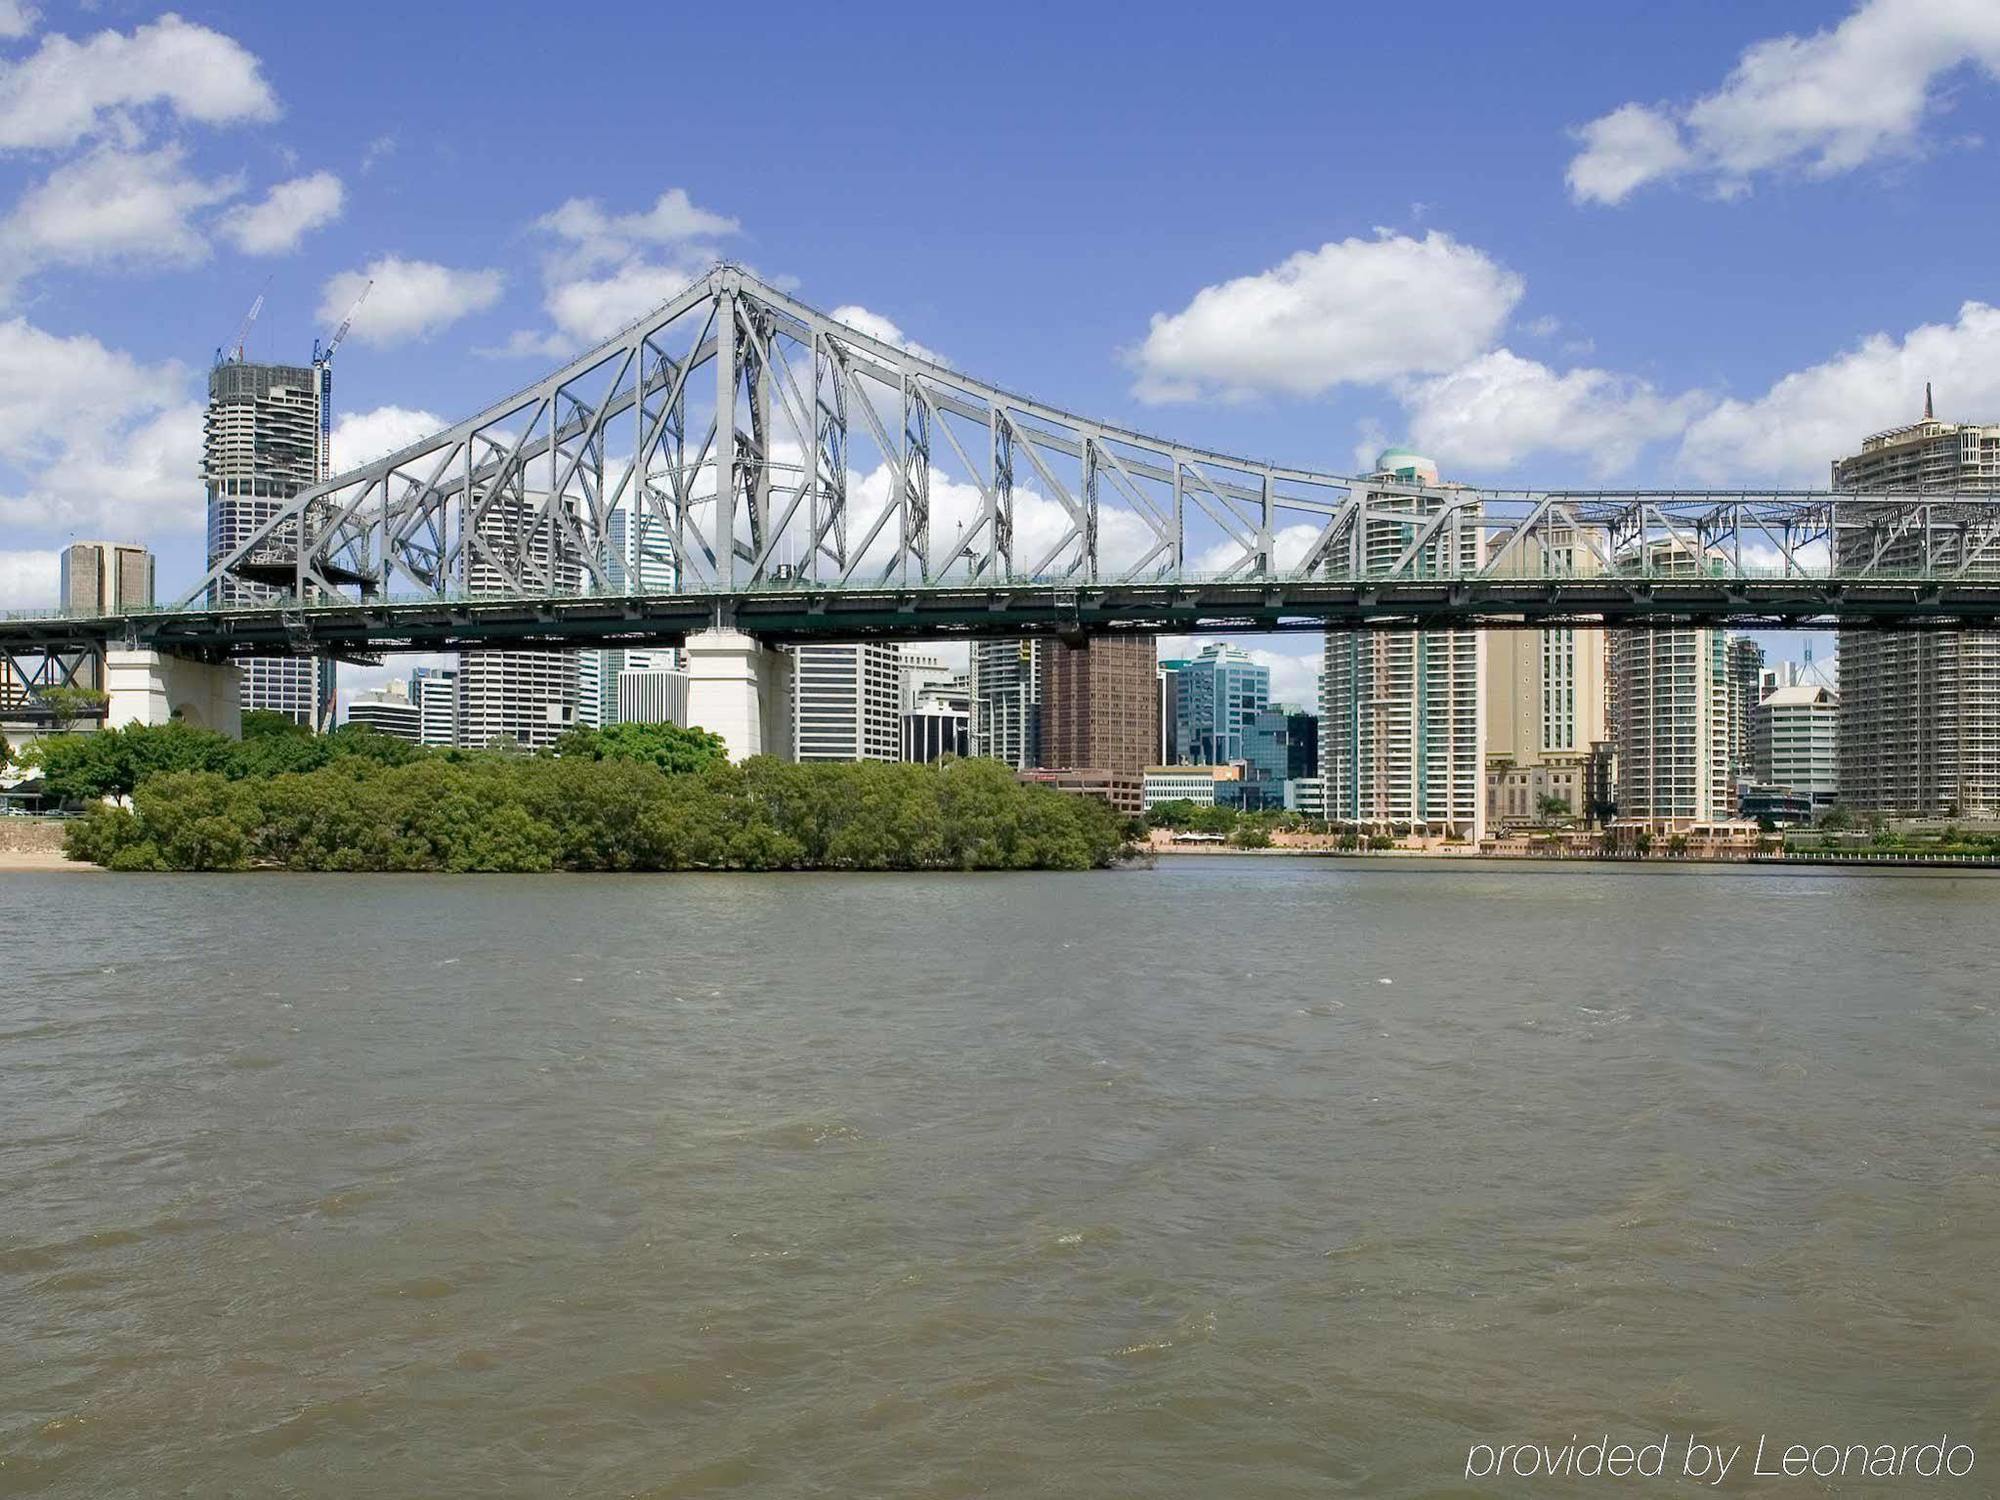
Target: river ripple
<point>1234,1177</point>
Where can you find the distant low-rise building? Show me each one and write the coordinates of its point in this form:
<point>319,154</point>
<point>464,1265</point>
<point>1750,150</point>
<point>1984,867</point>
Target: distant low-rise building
<point>934,727</point>
<point>1194,784</point>
<point>1124,790</point>
<point>389,710</point>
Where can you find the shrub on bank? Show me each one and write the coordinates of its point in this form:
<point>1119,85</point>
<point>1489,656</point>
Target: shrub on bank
<point>497,813</point>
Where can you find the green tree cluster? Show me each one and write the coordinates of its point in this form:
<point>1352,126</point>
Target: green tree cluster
<point>113,762</point>
<point>574,812</point>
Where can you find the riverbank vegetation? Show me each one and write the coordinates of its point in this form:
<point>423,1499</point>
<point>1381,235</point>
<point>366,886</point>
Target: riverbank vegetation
<point>640,797</point>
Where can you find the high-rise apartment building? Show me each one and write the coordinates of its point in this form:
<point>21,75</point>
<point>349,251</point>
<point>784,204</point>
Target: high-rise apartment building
<point>1670,713</point>
<point>1793,735</point>
<point>1099,702</point>
<point>1919,711</point>
<point>1217,697</point>
<point>1007,701</point>
<point>526,698</point>
<point>847,702</point>
<point>1169,691</point>
<point>1402,736</point>
<point>263,441</point>
<point>1746,670</point>
<point>1547,695</point>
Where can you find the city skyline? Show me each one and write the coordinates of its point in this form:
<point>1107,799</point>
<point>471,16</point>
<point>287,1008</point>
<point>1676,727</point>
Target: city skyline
<point>480,287</point>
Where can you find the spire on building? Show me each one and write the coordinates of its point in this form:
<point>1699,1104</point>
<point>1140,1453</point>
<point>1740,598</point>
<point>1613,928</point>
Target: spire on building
<point>1929,415</point>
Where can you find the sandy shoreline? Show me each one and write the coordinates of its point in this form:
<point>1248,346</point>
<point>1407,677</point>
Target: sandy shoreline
<point>38,861</point>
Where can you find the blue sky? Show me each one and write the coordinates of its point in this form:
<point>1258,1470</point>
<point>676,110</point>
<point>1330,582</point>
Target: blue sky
<point>1551,244</point>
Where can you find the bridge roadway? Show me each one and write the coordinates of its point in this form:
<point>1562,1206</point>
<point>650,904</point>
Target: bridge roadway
<point>806,612</point>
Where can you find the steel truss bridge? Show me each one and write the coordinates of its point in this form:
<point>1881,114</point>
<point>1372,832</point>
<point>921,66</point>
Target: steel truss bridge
<point>805,480</point>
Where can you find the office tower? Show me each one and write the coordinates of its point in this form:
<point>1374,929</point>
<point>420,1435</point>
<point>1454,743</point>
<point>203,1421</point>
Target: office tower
<point>1547,695</point>
<point>652,695</point>
<point>1099,701</point>
<point>1301,744</point>
<point>1217,697</point>
<point>922,674</point>
<point>389,710</point>
<point>639,559</point>
<point>1670,695</point>
<point>1746,667</point>
<point>519,697</point>
<point>263,441</point>
<point>847,702</point>
<point>103,578</point>
<point>1007,701</point>
<point>435,692</point>
<point>1170,739</point>
<point>1794,737</point>
<point>1919,711</point>
<point>1402,735</point>
<point>934,727</point>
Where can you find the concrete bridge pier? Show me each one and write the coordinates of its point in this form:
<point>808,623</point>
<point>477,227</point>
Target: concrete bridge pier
<point>741,689</point>
<point>153,687</point>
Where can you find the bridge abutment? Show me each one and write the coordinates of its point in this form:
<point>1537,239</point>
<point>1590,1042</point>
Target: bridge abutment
<point>741,689</point>
<point>153,687</point>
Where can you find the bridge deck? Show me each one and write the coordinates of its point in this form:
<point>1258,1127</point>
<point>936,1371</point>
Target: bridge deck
<point>814,613</point>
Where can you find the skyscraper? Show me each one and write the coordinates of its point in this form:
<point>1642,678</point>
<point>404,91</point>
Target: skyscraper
<point>639,558</point>
<point>435,692</point>
<point>103,578</point>
<point>1402,737</point>
<point>847,702</point>
<point>1546,695</point>
<point>1670,712</point>
<point>263,441</point>
<point>1217,697</point>
<point>1746,667</point>
<point>1919,716</point>
<point>1007,701</point>
<point>526,698</point>
<point>1099,701</point>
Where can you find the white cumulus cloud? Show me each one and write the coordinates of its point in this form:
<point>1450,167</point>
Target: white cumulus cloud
<point>16,19</point>
<point>1352,311</point>
<point>601,270</point>
<point>28,580</point>
<point>1498,408</point>
<point>66,90</point>
<point>111,207</point>
<point>1791,433</point>
<point>287,214</point>
<point>878,327</point>
<point>410,298</point>
<point>91,439</point>
<point>361,437</point>
<point>1822,104</point>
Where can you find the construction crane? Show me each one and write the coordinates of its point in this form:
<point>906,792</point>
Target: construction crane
<point>322,364</point>
<point>234,348</point>
<point>325,356</point>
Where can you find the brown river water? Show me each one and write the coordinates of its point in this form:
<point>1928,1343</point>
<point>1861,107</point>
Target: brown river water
<point>1232,1177</point>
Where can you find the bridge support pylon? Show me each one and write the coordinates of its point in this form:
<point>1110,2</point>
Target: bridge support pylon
<point>741,689</point>
<point>153,687</point>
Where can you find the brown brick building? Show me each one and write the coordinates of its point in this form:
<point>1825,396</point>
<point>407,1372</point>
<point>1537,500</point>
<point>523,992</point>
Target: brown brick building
<point>1101,705</point>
